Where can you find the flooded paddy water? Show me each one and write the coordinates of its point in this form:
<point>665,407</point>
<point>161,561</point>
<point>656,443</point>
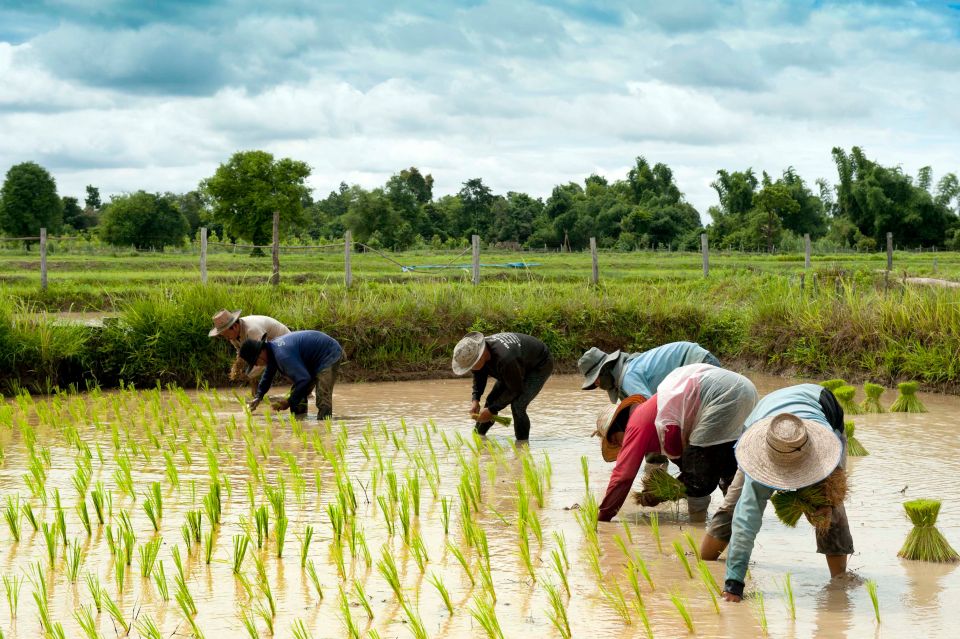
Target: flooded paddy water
<point>140,435</point>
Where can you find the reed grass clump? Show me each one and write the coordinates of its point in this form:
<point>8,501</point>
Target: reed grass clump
<point>871,403</point>
<point>854,447</point>
<point>845,395</point>
<point>925,542</point>
<point>907,400</point>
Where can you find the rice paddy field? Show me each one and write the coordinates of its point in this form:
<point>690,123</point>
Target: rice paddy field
<point>164,512</point>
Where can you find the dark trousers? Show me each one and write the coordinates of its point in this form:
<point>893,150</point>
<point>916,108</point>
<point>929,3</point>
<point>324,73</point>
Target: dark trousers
<point>533,382</point>
<point>323,382</point>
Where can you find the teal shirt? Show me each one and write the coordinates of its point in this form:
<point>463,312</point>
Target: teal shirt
<point>643,372</point>
<point>803,401</point>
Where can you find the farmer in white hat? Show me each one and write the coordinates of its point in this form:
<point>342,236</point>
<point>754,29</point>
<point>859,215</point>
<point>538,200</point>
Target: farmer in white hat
<point>235,329</point>
<point>521,364</point>
<point>794,439</point>
<point>694,419</point>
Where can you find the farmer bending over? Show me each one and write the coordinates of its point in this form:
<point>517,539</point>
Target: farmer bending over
<point>521,365</point>
<point>695,418</point>
<point>309,358</point>
<point>794,439</point>
<point>236,330</point>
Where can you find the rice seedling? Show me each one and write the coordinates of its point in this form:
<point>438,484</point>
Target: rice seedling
<point>680,603</point>
<point>352,631</point>
<point>761,611</point>
<point>925,542</point>
<point>632,572</point>
<point>387,567</point>
<point>845,396</point>
<point>182,595</point>
<point>907,400</point>
<point>445,514</point>
<point>387,511</point>
<point>662,485</point>
<point>871,585</point>
<point>11,513</point>
<point>115,613</point>
<point>50,537</point>
<point>558,611</point>
<point>262,520</point>
<point>337,551</point>
<point>484,611</point>
<point>99,496</point>
<point>593,558</point>
<point>562,547</point>
<point>832,384</point>
<point>208,543</point>
<point>75,556</point>
<point>854,447</point>
<point>627,531</point>
<point>871,403</point>
<point>280,534</point>
<point>84,617</point>
<point>249,621</point>
<point>655,529</point>
<point>147,627</point>
<point>84,515</point>
<point>160,580</point>
<point>789,598</point>
<point>96,590</point>
<point>300,631</point>
<point>497,419</point>
<point>458,555</point>
<point>811,501</point>
<point>27,510</point>
<point>437,583</point>
<point>11,587</point>
<point>305,544</point>
<point>312,573</point>
<point>119,571</point>
<point>362,597</point>
<point>585,468</point>
<point>614,596</point>
<point>240,543</point>
<point>419,551</point>
<point>707,577</point>
<point>557,564</point>
<point>682,556</point>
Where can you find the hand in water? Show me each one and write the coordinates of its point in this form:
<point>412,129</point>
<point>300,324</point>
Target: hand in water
<point>253,403</point>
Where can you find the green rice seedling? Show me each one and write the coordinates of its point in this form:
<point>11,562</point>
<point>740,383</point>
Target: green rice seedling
<point>854,447</point>
<point>662,485</point>
<point>305,544</point>
<point>57,631</point>
<point>585,467</point>
<point>810,501</point>
<point>907,400</point>
<point>75,556</point>
<point>524,547</point>
<point>98,495</point>
<point>486,579</point>
<point>925,542</point>
<point>160,580</point>
<point>593,558</point>
<point>419,551</point>
<point>557,613</point>
<point>707,577</point>
<point>27,510</point>
<point>484,611</point>
<point>871,404</point>
<point>11,587</point>
<point>644,569</point>
<point>312,573</point>
<point>96,590</point>
<point>43,612</point>
<point>832,384</point>
<point>119,571</point>
<point>497,419</point>
<point>442,589</point>
<point>337,551</point>
<point>262,519</point>
<point>693,545</point>
<point>680,603</point>
<point>352,631</point>
<point>84,617</point>
<point>50,537</point>
<point>562,547</point>
<point>845,396</point>
<point>280,534</point>
<point>871,585</point>
<point>789,598</point>
<point>632,577</point>
<point>127,535</point>
<point>213,505</point>
<point>557,563</point>
<point>761,611</point>
<point>387,567</point>
<point>362,597</point>
<point>84,515</point>
<point>413,487</point>
<point>249,621</point>
<point>534,479</point>
<point>11,513</point>
<point>614,596</point>
<point>458,555</point>
<point>149,508</point>
<point>240,543</point>
<point>300,630</point>
<point>208,544</point>
<point>655,529</point>
<point>445,514</point>
<point>627,531</point>
<point>147,627</point>
<point>387,511</point>
<point>81,480</point>
<point>173,475</point>
<point>115,613</point>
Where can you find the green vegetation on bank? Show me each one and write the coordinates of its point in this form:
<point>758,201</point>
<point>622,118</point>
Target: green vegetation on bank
<point>854,327</point>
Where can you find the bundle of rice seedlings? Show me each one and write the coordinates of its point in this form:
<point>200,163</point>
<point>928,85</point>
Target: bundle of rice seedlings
<point>871,404</point>
<point>854,447</point>
<point>809,501</point>
<point>907,401</point>
<point>499,419</point>
<point>844,395</point>
<point>832,384</point>
<point>925,542</point>
<point>663,486</point>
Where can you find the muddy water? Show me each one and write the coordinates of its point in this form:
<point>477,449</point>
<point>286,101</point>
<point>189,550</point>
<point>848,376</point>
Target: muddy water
<point>915,452</point>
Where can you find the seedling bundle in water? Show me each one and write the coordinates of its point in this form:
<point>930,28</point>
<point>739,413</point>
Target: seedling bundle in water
<point>833,384</point>
<point>871,404</point>
<point>663,486</point>
<point>907,400</point>
<point>925,542</point>
<point>844,395</point>
<point>854,447</point>
<point>810,501</point>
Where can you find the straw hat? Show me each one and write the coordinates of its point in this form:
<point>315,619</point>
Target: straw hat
<point>785,452</point>
<point>591,363</point>
<point>605,420</point>
<point>223,320</point>
<point>468,352</point>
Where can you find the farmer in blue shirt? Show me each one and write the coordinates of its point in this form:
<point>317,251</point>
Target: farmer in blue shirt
<point>624,374</point>
<point>309,358</point>
<point>794,439</point>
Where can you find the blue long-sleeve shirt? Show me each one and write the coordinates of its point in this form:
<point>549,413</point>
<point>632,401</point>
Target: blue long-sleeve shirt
<point>300,356</point>
<point>806,401</point>
<point>643,372</point>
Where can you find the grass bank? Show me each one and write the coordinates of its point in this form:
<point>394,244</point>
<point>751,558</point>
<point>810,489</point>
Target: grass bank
<point>854,329</point>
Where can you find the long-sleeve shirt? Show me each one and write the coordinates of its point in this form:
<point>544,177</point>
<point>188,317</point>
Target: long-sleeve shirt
<point>645,371</point>
<point>639,438</point>
<point>512,355</point>
<point>300,356</point>
<point>806,401</point>
<point>256,326</point>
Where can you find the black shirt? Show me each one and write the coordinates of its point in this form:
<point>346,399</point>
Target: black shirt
<point>512,355</point>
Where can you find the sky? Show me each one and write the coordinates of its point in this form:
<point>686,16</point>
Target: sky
<point>155,94</point>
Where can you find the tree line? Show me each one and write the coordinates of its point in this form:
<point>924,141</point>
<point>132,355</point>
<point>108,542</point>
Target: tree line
<point>644,209</point>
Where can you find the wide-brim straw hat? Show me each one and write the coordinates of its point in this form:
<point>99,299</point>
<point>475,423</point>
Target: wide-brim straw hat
<point>605,419</point>
<point>592,362</point>
<point>785,452</point>
<point>468,352</point>
<point>223,320</point>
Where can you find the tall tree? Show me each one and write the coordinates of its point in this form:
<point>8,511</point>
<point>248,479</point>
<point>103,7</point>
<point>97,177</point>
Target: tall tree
<point>72,213</point>
<point>143,220</point>
<point>246,191</point>
<point>476,214</point>
<point>29,202</point>
<point>92,200</point>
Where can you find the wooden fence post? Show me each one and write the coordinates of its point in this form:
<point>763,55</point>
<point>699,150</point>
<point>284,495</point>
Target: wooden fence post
<point>889,251</point>
<point>705,248</point>
<point>275,278</point>
<point>596,266</point>
<point>43,259</point>
<point>203,255</point>
<point>476,259</point>
<point>347,247</point>
<point>806,250</point>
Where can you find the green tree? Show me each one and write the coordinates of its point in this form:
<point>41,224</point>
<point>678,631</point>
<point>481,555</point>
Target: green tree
<point>92,200</point>
<point>246,191</point>
<point>192,206</point>
<point>143,220</point>
<point>72,213</point>
<point>29,202</point>
<point>772,204</point>
<point>476,213</point>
